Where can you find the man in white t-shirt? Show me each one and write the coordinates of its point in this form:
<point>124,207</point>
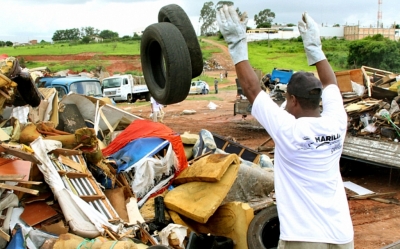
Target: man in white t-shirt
<point>311,200</point>
<point>156,110</point>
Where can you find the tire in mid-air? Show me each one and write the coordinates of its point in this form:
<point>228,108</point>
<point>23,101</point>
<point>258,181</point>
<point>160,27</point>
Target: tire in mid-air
<point>174,14</point>
<point>166,63</point>
<point>263,232</point>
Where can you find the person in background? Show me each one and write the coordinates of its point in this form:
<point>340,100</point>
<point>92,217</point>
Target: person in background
<point>221,76</point>
<point>157,111</point>
<point>216,85</point>
<point>203,90</point>
<point>312,206</point>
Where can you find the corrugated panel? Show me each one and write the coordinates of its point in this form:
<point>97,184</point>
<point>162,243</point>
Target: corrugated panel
<point>374,151</point>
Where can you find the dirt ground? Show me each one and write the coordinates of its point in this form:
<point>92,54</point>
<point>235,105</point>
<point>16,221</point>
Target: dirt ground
<point>376,224</point>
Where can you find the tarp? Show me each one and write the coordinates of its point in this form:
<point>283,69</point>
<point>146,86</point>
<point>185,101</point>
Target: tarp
<point>147,128</point>
<point>136,150</point>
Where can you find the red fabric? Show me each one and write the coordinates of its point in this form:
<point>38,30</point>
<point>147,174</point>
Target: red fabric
<point>146,128</point>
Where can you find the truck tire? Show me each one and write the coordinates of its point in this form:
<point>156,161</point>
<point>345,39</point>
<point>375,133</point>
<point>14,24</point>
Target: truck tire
<point>165,63</point>
<point>174,14</point>
<point>263,230</point>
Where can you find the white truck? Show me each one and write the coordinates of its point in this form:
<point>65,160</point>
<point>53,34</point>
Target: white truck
<point>125,87</point>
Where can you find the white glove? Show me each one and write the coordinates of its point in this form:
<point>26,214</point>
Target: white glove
<point>233,29</point>
<point>311,39</point>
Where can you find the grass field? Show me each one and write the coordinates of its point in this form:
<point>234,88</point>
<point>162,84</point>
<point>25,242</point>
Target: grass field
<point>263,55</point>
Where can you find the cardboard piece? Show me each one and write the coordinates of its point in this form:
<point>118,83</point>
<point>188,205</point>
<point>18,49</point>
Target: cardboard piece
<point>188,138</point>
<point>50,113</point>
<point>199,200</point>
<point>133,212</point>
<point>56,228</point>
<point>207,169</point>
<point>4,136</point>
<point>117,199</point>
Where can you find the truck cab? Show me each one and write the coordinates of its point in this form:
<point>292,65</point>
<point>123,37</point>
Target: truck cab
<point>79,85</point>
<point>125,88</point>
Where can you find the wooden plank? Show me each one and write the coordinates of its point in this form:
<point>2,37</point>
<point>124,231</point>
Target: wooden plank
<point>89,198</point>
<point>27,182</point>
<point>25,190</point>
<point>73,175</point>
<point>67,152</point>
<point>22,154</point>
<point>12,177</point>
<point>344,81</point>
<point>71,163</point>
<point>4,235</point>
<point>15,167</point>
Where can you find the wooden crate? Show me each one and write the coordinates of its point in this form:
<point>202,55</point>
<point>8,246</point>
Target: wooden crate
<point>344,79</point>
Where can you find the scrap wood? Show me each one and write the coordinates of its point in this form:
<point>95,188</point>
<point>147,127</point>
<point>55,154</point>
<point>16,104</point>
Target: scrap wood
<point>197,158</point>
<point>4,235</point>
<point>110,233</point>
<point>27,182</point>
<point>387,201</point>
<point>265,149</point>
<point>374,195</point>
<point>12,177</point>
<point>145,235</point>
<point>266,141</point>
<point>22,189</point>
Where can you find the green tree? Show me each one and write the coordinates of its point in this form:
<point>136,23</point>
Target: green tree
<point>221,3</point>
<point>89,31</point>
<point>264,17</point>
<point>9,44</point>
<point>2,43</point>
<point>336,25</point>
<point>86,39</point>
<point>108,34</point>
<point>207,16</point>
<point>58,35</point>
<point>291,25</point>
<point>375,51</point>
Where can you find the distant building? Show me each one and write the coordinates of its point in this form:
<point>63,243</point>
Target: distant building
<point>33,42</point>
<point>345,32</point>
<point>97,39</point>
<point>356,33</point>
<point>263,30</point>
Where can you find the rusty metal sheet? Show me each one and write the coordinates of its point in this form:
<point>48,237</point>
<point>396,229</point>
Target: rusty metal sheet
<point>374,151</point>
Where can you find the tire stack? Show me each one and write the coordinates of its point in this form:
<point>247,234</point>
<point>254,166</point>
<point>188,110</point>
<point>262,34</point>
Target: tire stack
<point>170,55</point>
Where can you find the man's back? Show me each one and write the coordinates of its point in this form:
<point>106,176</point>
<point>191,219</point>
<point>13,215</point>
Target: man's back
<point>309,189</point>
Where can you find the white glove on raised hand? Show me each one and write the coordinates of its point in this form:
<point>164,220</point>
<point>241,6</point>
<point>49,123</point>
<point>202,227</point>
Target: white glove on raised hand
<point>311,39</point>
<point>233,29</point>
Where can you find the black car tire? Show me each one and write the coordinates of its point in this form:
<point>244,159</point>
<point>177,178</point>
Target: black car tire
<point>165,63</point>
<point>174,14</point>
<point>264,230</point>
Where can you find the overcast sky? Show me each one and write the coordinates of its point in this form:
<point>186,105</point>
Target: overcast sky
<point>24,20</point>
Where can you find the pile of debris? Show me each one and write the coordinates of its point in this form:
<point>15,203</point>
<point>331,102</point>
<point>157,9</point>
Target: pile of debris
<point>371,100</point>
<point>210,65</point>
<point>81,172</point>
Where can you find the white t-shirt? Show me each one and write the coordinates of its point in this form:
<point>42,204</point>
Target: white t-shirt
<point>156,107</point>
<point>311,198</point>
